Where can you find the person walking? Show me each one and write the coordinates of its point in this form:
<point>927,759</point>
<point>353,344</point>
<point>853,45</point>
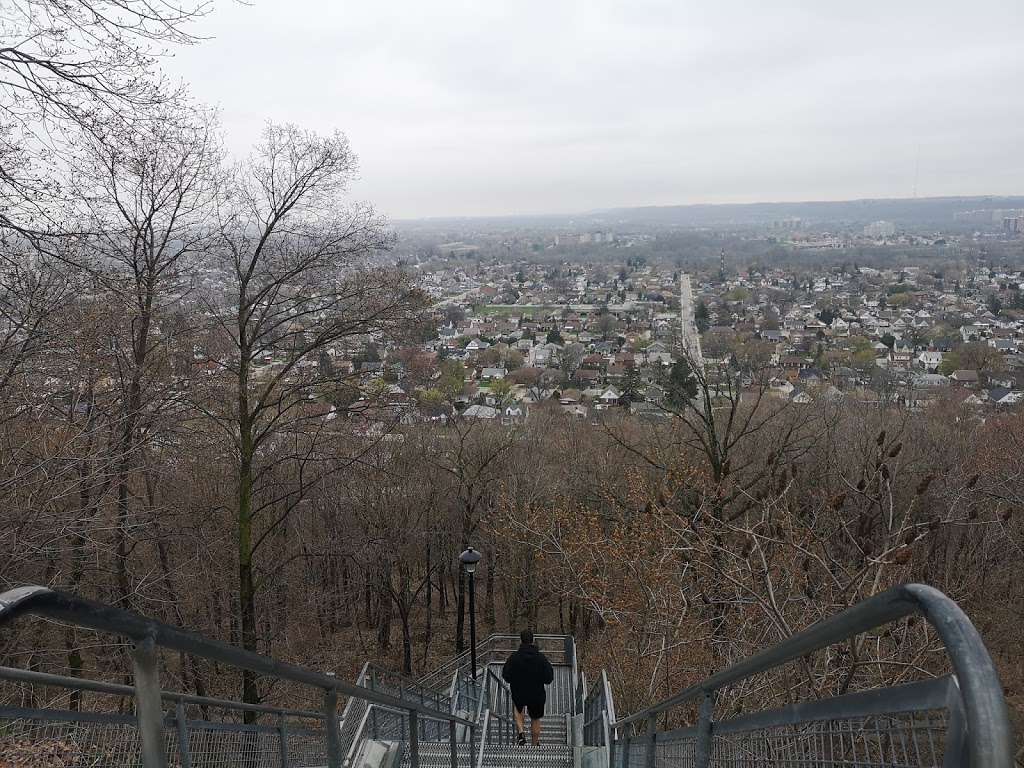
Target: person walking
<point>527,671</point>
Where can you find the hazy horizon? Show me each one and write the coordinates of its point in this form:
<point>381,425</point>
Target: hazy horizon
<point>1017,198</point>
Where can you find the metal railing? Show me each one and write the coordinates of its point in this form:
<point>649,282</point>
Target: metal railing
<point>364,720</point>
<point>560,649</point>
<point>153,737</point>
<point>494,713</point>
<point>406,688</point>
<point>598,714</point>
<point>294,737</point>
<point>496,700</point>
<point>956,720</point>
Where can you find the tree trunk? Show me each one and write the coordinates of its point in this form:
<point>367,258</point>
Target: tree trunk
<point>246,581</point>
<point>489,602</point>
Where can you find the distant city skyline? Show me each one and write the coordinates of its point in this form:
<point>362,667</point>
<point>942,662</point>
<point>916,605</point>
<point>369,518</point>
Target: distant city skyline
<point>472,109</point>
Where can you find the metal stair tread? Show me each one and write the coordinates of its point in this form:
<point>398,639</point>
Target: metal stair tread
<point>512,755</point>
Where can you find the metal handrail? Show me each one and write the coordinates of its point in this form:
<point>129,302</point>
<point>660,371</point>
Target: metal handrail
<point>493,648</point>
<point>608,697</point>
<point>500,689</point>
<point>409,685</point>
<point>117,689</point>
<point>354,709</point>
<point>603,710</point>
<point>988,723</point>
<point>62,606</point>
<point>147,634</point>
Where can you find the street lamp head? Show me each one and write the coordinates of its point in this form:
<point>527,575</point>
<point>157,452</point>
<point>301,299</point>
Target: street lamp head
<point>469,559</point>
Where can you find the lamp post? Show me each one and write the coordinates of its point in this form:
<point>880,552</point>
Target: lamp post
<point>469,560</point>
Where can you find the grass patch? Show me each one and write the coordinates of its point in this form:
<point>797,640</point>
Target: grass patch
<point>518,309</point>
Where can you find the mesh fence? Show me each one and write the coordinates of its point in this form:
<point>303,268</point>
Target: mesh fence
<point>408,690</point>
<point>907,739</point>
<point>388,724</point>
<point>354,715</point>
<point>111,740</point>
<point>681,753</point>
<point>211,746</point>
<point>37,742</point>
<point>307,748</point>
<point>214,748</point>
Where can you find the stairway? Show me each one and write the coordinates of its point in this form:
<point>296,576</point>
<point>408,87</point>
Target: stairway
<point>554,750</point>
<point>550,754</point>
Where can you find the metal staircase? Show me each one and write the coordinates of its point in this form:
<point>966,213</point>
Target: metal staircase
<point>498,747</point>
<point>452,718</point>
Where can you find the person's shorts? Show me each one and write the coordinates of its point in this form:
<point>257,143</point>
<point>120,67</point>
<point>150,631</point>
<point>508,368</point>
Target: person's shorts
<point>535,707</point>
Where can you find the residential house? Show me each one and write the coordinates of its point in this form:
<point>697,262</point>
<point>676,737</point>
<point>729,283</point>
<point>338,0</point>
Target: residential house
<point>1004,396</point>
<point>586,376</point>
<point>609,398</point>
<point>901,355</point>
<point>487,374</point>
<point>570,397</point>
<point>800,396</point>
<point>930,360</point>
<point>658,352</point>
<point>514,412</point>
<point>965,378</point>
<point>480,412</point>
<point>654,394</point>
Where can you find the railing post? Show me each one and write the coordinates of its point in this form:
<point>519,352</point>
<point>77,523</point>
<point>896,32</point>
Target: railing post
<point>401,695</point>
<point>652,735</point>
<point>183,750</point>
<point>608,737</point>
<point>704,730</point>
<point>333,728</point>
<point>414,742</point>
<point>282,733</point>
<point>956,752</point>
<point>148,707</point>
<point>454,743</point>
<point>373,709</point>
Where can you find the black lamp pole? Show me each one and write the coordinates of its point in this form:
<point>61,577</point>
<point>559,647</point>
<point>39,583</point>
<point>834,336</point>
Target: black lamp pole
<point>469,560</point>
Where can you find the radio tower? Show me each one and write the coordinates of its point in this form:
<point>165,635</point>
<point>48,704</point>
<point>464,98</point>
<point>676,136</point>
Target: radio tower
<point>721,272</point>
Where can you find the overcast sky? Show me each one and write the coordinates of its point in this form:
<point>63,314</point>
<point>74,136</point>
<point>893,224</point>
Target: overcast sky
<point>482,107</point>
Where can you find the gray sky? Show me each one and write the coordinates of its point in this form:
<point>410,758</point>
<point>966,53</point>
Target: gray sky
<point>519,106</point>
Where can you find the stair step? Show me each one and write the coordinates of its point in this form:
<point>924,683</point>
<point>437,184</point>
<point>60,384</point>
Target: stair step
<point>438,755</point>
<point>547,755</point>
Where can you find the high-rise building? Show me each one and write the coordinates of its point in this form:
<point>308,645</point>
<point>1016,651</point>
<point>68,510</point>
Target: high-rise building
<point>880,229</point>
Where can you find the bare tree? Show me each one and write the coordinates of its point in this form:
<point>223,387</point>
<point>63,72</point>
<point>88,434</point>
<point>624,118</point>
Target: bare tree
<point>35,286</point>
<point>302,276</point>
<point>147,195</point>
<point>69,67</point>
<point>474,457</point>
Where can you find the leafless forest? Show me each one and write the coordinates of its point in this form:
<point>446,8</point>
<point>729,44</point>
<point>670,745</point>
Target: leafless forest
<point>171,326</point>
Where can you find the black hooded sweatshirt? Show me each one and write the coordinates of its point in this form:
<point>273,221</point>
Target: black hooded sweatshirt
<point>527,671</point>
